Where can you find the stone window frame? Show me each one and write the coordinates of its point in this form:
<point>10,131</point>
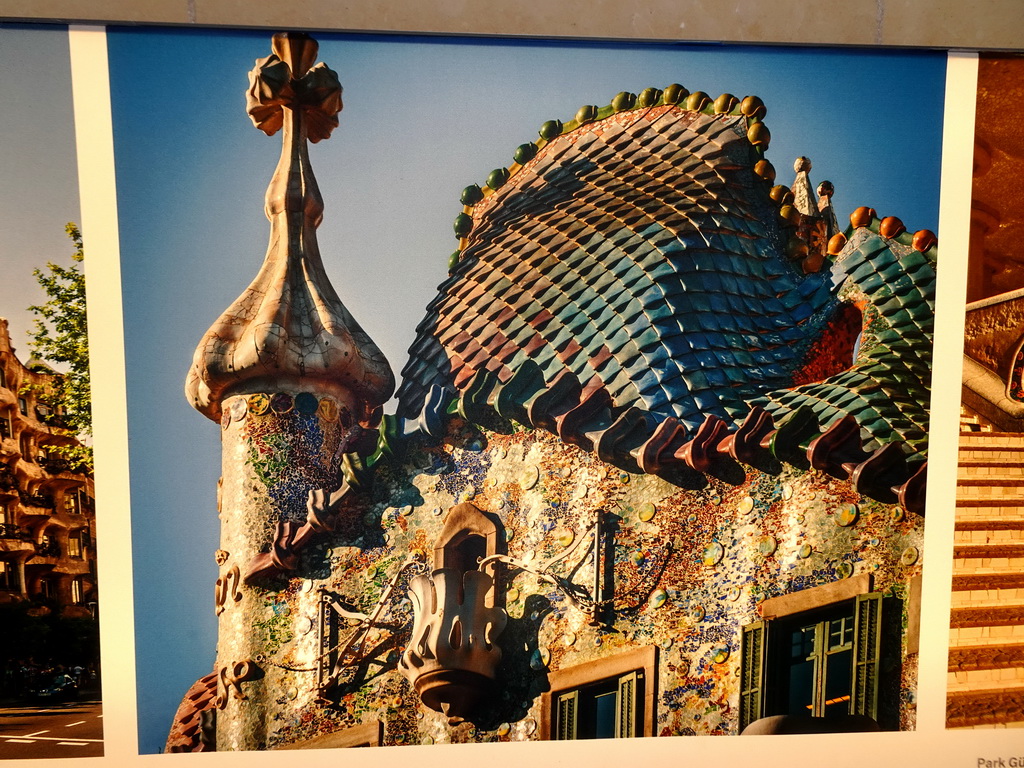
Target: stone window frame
<point>643,659</point>
<point>369,734</point>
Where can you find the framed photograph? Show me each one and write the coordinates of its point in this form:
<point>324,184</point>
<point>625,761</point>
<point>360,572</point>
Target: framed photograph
<point>669,168</point>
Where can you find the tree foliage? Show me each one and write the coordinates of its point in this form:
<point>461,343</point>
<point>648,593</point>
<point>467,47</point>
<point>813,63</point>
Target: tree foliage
<point>60,337</point>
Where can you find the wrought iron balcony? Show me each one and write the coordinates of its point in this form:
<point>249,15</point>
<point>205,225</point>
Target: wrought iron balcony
<point>40,500</point>
<point>48,549</point>
<point>55,464</point>
<point>51,419</point>
<point>11,531</point>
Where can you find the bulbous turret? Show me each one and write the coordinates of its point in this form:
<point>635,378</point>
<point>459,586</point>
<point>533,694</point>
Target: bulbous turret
<point>289,331</point>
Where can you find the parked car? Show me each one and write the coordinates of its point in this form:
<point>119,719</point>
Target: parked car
<point>61,688</point>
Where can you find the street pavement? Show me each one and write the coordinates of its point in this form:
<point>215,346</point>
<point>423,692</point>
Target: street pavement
<point>72,729</point>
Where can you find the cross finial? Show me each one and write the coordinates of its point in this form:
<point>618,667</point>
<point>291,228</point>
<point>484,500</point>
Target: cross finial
<point>288,79</point>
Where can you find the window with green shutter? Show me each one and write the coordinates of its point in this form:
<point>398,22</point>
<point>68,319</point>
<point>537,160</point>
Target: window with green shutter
<point>822,663</point>
<point>612,697</point>
<point>605,709</point>
<point>752,672</point>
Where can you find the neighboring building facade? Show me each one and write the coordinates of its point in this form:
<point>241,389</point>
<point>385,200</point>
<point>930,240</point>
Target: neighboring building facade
<point>657,468</point>
<point>47,508</point>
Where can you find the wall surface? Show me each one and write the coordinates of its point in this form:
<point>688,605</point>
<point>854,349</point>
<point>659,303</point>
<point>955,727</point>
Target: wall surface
<point>992,24</point>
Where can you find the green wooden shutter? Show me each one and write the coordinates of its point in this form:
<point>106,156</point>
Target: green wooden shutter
<point>567,715</point>
<point>752,649</point>
<point>626,706</point>
<point>867,644</point>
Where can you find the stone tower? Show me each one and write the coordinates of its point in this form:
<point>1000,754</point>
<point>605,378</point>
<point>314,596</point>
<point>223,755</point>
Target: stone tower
<point>289,375</point>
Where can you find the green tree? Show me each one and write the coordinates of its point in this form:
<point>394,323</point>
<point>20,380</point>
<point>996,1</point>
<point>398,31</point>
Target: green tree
<point>60,337</point>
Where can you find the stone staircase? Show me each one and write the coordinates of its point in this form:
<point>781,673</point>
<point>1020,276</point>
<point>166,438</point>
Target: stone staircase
<point>986,651</point>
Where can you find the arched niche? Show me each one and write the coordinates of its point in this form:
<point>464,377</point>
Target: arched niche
<point>469,535</point>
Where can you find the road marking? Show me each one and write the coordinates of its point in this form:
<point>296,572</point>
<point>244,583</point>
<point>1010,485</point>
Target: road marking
<point>21,741</point>
<point>71,743</point>
<point>69,725</point>
<point>30,735</point>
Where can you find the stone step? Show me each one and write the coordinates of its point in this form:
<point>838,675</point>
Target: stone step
<point>996,614</point>
<point>970,551</point>
<point>974,657</point>
<point>994,682</point>
<point>965,709</point>
<point>986,565</point>
<point>987,535</point>
<point>990,482</point>
<point>986,594</point>
<point>989,470</point>
<point>978,501</point>
<point>991,433</point>
<point>1002,523</point>
<point>1007,505</point>
<point>988,461</point>
<point>967,637</point>
<point>993,678</point>
<point>972,582</point>
<point>990,440</point>
<point>981,451</point>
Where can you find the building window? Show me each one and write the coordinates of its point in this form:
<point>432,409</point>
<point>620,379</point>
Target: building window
<point>603,699</point>
<point>3,378</point>
<point>77,592</point>
<point>23,406</point>
<point>48,547</point>
<point>72,505</point>
<point>822,662</point>
<point>8,576</point>
<point>603,710</point>
<point>75,546</point>
<point>6,427</point>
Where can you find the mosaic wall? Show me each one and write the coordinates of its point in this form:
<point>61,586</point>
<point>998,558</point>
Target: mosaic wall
<point>276,448</point>
<point>690,568</point>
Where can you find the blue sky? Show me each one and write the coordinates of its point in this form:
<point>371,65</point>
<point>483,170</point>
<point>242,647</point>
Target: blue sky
<point>38,171</point>
<point>423,118</point>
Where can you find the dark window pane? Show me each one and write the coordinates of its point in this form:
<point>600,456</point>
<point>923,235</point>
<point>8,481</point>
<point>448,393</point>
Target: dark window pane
<point>838,677</point>
<point>604,716</point>
<point>597,711</point>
